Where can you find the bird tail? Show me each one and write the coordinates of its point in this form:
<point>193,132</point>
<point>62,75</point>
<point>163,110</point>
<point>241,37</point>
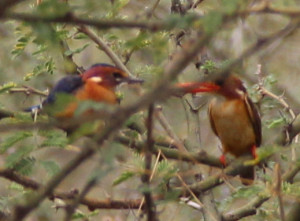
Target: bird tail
<point>247,175</point>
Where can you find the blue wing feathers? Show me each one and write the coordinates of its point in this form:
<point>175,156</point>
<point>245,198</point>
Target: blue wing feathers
<point>66,85</point>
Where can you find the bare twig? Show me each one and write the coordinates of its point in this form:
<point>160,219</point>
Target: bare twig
<point>151,177</point>
<point>167,127</point>
<point>29,90</point>
<point>277,188</point>
<point>149,203</point>
<point>100,24</point>
<point>105,48</point>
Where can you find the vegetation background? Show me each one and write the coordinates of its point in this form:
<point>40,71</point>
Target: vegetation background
<point>162,42</point>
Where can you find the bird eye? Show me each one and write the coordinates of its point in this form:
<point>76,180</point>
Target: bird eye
<point>117,75</point>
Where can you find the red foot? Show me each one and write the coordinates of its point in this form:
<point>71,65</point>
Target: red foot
<point>223,160</point>
<point>253,151</point>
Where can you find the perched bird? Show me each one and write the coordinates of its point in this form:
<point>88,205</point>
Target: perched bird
<point>98,84</point>
<point>233,118</point>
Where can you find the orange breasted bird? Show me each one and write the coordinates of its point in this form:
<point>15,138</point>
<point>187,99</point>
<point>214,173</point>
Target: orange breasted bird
<point>98,84</point>
<point>233,118</point>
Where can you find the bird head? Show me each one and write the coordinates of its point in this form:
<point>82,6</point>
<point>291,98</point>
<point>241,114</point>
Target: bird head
<point>229,87</point>
<point>108,76</point>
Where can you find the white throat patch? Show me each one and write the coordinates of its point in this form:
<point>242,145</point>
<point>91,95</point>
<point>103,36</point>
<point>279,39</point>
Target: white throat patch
<point>96,79</point>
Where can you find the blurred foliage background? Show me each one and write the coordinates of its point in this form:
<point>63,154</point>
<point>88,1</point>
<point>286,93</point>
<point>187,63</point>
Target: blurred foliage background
<point>37,54</point>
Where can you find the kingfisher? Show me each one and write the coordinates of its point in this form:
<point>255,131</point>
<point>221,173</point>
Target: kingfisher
<point>97,84</point>
<point>233,117</point>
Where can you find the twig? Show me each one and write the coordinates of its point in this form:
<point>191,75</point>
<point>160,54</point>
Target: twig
<point>248,209</point>
<point>266,7</point>
<point>281,101</point>
<point>167,127</point>
<point>201,157</point>
<point>70,209</point>
<point>149,204</point>
<point>29,90</point>
<point>151,177</point>
<point>151,12</point>
<point>6,113</point>
<point>6,4</point>
<point>89,202</point>
<point>105,48</point>
<point>277,188</point>
<point>100,24</point>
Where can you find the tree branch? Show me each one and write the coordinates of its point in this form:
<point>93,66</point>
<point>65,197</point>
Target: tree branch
<point>149,204</point>
<point>91,203</point>
<point>103,46</point>
<point>100,24</point>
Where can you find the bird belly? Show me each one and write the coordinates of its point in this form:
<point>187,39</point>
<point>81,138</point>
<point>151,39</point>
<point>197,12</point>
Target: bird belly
<point>233,126</point>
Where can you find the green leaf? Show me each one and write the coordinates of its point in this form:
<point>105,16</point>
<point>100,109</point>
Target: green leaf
<point>276,122</point>
<point>51,167</point>
<point>47,67</point>
<point>13,159</point>
<point>20,46</point>
<point>54,138</point>
<point>53,8</point>
<point>209,66</point>
<point>247,192</point>
<point>267,151</point>
<point>10,141</point>
<point>78,215</point>
<point>123,177</point>
<point>16,186</point>
<point>141,41</point>
<point>25,165</point>
<point>80,36</point>
<point>7,86</point>
<point>230,6</point>
<point>76,51</point>
<point>179,21</point>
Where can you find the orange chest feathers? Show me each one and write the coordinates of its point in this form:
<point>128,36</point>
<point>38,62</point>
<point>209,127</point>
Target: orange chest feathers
<point>90,91</point>
<point>231,123</point>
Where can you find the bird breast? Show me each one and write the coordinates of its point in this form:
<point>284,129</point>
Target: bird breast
<point>231,123</point>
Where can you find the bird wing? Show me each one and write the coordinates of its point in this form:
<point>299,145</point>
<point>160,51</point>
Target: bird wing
<point>211,120</point>
<point>254,118</point>
<point>66,85</point>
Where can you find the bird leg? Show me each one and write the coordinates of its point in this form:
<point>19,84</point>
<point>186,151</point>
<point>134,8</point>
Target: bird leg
<point>253,151</point>
<point>223,160</point>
